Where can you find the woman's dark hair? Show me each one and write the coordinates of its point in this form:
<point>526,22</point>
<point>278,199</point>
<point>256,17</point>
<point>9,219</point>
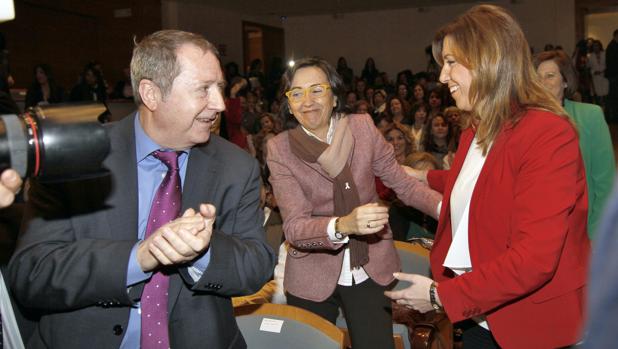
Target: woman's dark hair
<point>428,144</point>
<point>418,105</point>
<point>407,76</point>
<point>48,73</point>
<point>334,80</point>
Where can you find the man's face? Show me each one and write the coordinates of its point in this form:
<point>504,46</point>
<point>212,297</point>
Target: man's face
<point>184,117</point>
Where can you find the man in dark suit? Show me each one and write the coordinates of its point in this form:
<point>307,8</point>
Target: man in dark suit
<point>94,252</point>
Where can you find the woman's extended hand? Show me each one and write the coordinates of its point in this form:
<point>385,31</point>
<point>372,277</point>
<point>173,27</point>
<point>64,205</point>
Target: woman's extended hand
<point>416,296</point>
<point>363,220</point>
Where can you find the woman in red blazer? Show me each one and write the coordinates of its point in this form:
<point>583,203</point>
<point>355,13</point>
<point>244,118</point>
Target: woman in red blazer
<point>511,249</point>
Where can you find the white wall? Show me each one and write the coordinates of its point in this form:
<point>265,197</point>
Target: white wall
<point>601,26</point>
<point>220,27</point>
<point>394,38</point>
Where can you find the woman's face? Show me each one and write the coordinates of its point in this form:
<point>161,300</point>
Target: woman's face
<point>383,124</point>
<point>360,86</point>
<point>275,107</point>
<point>41,77</point>
<point>362,109</point>
<point>396,107</point>
<point>402,91</point>
<point>90,77</point>
<point>313,113</point>
<point>267,124</point>
<point>378,99</point>
<point>453,117</point>
<point>369,94</point>
<point>350,99</point>
<point>434,100</point>
<point>420,116</point>
<point>439,128</point>
<point>419,94</point>
<point>396,138</point>
<point>456,76</point>
<point>551,78</point>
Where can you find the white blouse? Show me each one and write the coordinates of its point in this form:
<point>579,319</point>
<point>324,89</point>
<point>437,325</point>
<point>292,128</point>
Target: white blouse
<point>458,256</point>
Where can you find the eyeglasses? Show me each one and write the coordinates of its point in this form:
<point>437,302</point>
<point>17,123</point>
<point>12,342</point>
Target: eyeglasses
<point>297,94</point>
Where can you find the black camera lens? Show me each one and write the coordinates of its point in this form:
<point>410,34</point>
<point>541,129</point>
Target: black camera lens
<point>59,142</point>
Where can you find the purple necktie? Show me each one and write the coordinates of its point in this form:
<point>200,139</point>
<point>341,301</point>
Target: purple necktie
<point>164,209</point>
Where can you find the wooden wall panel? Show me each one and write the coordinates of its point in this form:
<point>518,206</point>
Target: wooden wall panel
<point>69,33</point>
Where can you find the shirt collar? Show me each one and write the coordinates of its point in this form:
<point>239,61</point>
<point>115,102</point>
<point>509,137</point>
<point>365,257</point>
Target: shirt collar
<point>329,134</point>
<point>144,145</point>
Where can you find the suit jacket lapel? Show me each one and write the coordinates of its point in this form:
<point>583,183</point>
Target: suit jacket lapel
<point>122,217</point>
<point>199,187</point>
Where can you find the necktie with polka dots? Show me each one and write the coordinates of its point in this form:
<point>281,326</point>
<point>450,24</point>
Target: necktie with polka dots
<point>165,208</point>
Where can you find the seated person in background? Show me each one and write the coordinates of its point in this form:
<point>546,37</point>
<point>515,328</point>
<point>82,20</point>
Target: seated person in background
<point>421,225</point>
<point>44,89</point>
<point>398,215</point>
<point>361,107</point>
<point>123,88</point>
<point>273,225</point>
<point>438,140</point>
<point>90,87</point>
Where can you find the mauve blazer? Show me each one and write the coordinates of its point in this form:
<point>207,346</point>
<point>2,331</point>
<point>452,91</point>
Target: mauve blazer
<point>304,193</point>
<point>527,235</point>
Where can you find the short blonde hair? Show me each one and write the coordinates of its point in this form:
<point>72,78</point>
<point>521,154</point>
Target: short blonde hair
<point>490,43</point>
<point>155,58</point>
<point>419,160</point>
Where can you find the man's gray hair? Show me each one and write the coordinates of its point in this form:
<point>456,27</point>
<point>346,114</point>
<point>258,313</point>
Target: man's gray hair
<point>155,58</point>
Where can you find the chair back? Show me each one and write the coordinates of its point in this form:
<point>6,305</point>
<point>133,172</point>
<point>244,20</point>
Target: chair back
<point>414,260</point>
<point>266,326</point>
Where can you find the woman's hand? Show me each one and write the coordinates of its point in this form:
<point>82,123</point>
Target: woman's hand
<point>421,175</point>
<point>363,220</point>
<point>416,296</point>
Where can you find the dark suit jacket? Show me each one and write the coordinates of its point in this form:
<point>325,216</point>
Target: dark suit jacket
<point>71,260</point>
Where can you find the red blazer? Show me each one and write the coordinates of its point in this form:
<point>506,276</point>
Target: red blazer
<point>304,193</point>
<point>527,235</point>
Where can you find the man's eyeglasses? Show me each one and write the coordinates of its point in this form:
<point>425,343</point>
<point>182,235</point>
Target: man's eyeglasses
<point>297,94</point>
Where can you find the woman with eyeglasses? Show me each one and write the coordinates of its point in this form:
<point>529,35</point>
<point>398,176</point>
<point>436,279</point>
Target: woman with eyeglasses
<point>510,256</point>
<point>322,173</point>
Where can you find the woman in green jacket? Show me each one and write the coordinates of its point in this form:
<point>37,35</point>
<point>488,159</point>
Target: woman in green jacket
<point>595,143</point>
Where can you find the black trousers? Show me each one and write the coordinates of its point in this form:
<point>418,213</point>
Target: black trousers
<point>476,337</point>
<point>367,311</point>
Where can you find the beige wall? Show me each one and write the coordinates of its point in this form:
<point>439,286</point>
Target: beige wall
<point>395,38</point>
<point>221,27</point>
<point>601,26</point>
